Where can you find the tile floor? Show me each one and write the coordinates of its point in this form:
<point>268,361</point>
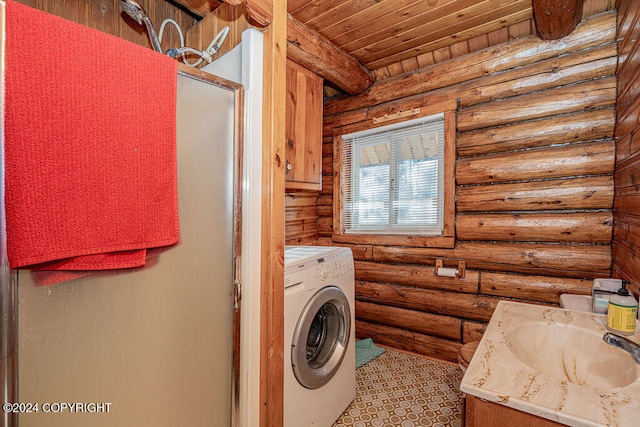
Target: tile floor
<point>405,390</point>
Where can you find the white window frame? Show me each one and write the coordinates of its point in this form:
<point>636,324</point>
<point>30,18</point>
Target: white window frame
<point>443,236</point>
<point>391,136</point>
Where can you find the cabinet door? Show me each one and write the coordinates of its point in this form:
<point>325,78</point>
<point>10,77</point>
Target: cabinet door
<point>303,129</point>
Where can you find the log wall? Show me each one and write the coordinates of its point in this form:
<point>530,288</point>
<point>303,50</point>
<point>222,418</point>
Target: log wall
<point>626,231</point>
<point>106,16</point>
<point>534,187</point>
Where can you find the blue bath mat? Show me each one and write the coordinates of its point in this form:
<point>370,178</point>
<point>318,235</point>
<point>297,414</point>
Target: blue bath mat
<point>366,351</point>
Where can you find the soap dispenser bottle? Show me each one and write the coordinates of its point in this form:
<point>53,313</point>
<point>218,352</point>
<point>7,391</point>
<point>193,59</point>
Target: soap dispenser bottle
<point>623,309</point>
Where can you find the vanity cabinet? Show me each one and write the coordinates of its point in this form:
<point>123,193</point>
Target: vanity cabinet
<point>482,413</point>
<point>303,129</point>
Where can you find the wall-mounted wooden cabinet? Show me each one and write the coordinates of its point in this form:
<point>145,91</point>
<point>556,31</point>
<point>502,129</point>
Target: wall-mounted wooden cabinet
<point>303,129</point>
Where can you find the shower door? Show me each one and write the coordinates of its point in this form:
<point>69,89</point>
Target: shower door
<point>153,346</point>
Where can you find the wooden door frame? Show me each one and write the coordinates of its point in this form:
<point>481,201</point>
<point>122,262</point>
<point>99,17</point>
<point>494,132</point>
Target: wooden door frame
<point>272,275</point>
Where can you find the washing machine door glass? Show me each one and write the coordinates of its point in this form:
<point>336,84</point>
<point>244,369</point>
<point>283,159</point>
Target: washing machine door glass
<point>321,337</point>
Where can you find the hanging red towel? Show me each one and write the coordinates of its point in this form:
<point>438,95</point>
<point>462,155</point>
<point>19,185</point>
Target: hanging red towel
<point>90,146</point>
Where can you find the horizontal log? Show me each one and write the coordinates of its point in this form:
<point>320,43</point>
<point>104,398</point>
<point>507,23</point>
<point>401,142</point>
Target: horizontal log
<point>553,162</point>
<point>260,12</point>
<point>426,323</point>
<point>580,261</point>
<point>627,119</point>
<point>591,32</point>
<point>327,165</point>
<point>576,193</point>
<point>627,228</point>
<point>298,234</point>
<point>464,306</point>
<point>314,52</point>
<point>360,252</point>
<point>301,198</point>
<point>578,97</point>
<point>472,331</point>
<point>627,201</point>
<point>627,148</point>
<point>325,225</point>
<point>575,127</point>
<point>324,211</point>
<point>628,175</point>
<point>533,288</point>
<point>562,227</point>
<point>397,240</point>
<point>308,214</point>
<point>414,342</point>
<point>325,200</point>
<point>626,263</point>
<point>306,240</point>
<point>593,63</point>
<point>327,184</point>
<point>415,275</point>
<point>596,63</point>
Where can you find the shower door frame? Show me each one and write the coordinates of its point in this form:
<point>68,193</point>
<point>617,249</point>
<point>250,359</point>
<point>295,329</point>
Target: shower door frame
<point>238,91</point>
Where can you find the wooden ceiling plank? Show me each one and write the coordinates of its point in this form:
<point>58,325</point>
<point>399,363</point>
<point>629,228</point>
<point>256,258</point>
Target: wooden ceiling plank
<point>451,26</point>
<point>383,23</point>
<point>410,64</point>
<point>555,19</point>
<point>498,36</point>
<point>294,6</point>
<point>357,13</point>
<point>459,49</point>
<point>384,59</point>
<point>479,42</point>
<point>338,12</point>
<point>403,34</point>
<point>521,29</point>
<point>593,7</point>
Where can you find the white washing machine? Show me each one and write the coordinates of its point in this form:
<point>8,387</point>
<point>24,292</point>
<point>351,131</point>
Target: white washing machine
<point>319,335</point>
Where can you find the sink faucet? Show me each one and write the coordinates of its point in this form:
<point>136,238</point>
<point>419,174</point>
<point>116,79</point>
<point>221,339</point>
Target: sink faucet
<point>623,343</point>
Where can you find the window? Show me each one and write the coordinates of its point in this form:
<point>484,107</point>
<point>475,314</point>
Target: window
<point>397,180</point>
<point>394,182</point>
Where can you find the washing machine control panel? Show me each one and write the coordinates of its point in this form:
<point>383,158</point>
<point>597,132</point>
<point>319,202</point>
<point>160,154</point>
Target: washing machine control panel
<point>326,267</point>
<point>333,269</point>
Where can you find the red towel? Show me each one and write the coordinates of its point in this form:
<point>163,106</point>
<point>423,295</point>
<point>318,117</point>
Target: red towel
<point>90,155</point>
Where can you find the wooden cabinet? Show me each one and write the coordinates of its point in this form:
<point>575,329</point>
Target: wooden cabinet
<point>482,413</point>
<point>303,129</point>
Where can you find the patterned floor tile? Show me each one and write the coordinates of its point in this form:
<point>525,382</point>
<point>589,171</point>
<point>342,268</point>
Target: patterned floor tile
<point>405,390</point>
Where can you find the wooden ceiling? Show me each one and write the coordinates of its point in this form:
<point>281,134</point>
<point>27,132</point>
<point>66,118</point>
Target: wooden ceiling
<point>384,32</point>
<point>391,37</point>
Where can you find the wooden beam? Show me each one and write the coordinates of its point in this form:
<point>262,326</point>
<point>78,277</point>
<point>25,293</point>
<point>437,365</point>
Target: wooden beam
<point>259,11</point>
<point>204,7</point>
<point>317,54</point>
<point>594,31</point>
<point>556,18</point>
<point>272,236</point>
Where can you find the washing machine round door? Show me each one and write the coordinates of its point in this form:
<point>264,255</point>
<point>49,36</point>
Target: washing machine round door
<point>321,337</point>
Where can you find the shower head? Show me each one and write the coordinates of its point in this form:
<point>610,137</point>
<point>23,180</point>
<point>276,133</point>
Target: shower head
<point>134,10</point>
<point>137,13</point>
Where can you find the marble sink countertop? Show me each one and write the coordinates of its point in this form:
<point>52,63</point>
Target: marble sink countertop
<point>553,363</point>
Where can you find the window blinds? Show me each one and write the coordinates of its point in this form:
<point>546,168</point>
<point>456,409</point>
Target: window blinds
<point>392,178</point>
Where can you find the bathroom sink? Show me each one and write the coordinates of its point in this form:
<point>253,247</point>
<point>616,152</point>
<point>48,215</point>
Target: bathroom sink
<point>573,354</point>
<point>554,363</point>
